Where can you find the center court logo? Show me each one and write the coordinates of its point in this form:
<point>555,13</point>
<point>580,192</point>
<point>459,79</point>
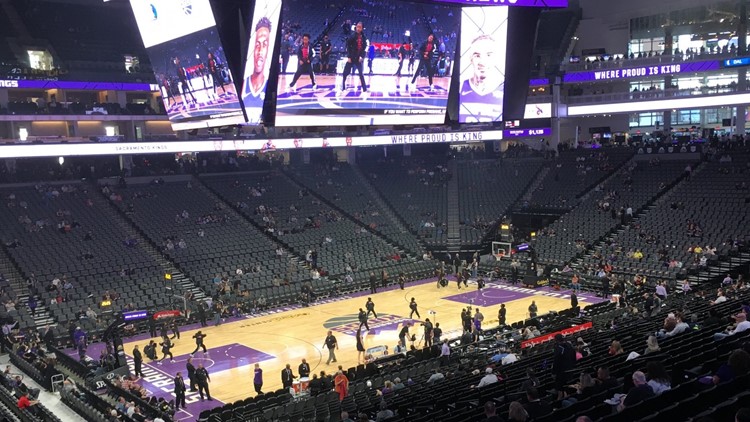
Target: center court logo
<point>349,324</point>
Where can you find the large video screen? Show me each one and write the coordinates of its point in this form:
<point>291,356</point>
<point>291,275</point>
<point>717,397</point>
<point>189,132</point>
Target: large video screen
<point>265,22</point>
<point>484,39</point>
<point>370,65</point>
<point>189,62</point>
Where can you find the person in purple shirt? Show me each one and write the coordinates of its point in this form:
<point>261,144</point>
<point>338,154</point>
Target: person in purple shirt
<point>258,379</point>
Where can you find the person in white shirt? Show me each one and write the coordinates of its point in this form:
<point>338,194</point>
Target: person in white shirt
<point>742,325</point>
<point>680,328</point>
<point>445,353</point>
<point>720,298</point>
<point>727,280</point>
<point>488,378</point>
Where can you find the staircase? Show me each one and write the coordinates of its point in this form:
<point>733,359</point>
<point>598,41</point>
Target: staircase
<point>16,281</point>
<point>384,206</point>
<point>247,222</point>
<point>538,180</point>
<point>454,218</point>
<point>180,282</point>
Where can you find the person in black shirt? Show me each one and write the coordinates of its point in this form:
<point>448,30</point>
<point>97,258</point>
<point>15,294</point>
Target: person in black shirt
<point>175,330</point>
<point>304,369</point>
<point>331,344</point>
<point>305,54</point>
<point>213,69</point>
<point>325,54</point>
<point>370,306</point>
<point>199,336</point>
<point>640,392</point>
<point>360,348</point>
<point>316,385</point>
<point>401,280</point>
<point>605,287</point>
<point>401,58</point>
<point>287,377</point>
<point>373,283</point>
<point>427,333</point>
<point>137,361</point>
<point>183,77</point>
<point>201,380</point>
<point>533,309</point>
<point>501,314</point>
<point>413,307</point>
<point>363,319</point>
<point>573,301</point>
<point>166,350</point>
<point>356,48</point>
<point>403,335</point>
<point>564,360</point>
<point>179,391</point>
<point>191,374</point>
<point>436,333</point>
<point>152,327</point>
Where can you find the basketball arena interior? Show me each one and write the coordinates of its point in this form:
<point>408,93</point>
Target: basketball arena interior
<point>374,210</point>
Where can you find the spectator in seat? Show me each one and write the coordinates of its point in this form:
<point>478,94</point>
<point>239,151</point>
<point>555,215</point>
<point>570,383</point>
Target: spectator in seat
<point>25,403</point>
<point>488,378</point>
<point>490,411</point>
<point>33,393</point>
<point>737,365</point>
<point>679,328</point>
<point>658,378</point>
<point>516,412</point>
<point>535,407</point>
<point>641,391</point>
<point>652,345</point>
<point>741,325</point>
<point>742,415</point>
<point>615,348</point>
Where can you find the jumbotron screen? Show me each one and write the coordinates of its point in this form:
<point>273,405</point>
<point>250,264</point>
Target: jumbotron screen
<point>484,39</point>
<point>265,23</point>
<point>189,62</point>
<point>369,65</point>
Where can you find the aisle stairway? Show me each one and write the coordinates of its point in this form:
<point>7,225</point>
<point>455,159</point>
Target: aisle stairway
<point>180,282</point>
<point>454,218</point>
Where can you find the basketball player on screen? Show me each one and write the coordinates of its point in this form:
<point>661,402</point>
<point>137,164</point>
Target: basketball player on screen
<point>426,52</point>
<point>482,93</point>
<point>255,86</point>
<point>356,48</point>
<point>305,54</point>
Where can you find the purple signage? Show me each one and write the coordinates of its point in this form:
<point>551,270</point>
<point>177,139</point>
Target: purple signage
<point>641,72</point>
<point>538,82</point>
<point>523,133</point>
<point>81,86</point>
<point>516,3</point>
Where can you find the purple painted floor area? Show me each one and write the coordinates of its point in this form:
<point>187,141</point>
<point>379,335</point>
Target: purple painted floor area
<point>500,292</point>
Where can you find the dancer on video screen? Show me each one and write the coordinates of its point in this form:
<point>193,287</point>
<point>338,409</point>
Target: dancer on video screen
<point>305,54</point>
<point>325,54</point>
<point>426,52</point>
<point>183,76</point>
<point>356,47</point>
<point>212,65</point>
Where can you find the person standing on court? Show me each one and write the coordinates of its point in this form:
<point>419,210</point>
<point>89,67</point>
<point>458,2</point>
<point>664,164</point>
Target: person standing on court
<point>360,347</point>
<point>179,391</point>
<point>478,318</point>
<point>258,379</point>
<point>202,314</point>
<point>427,333</point>
<point>403,335</point>
<point>401,281</point>
<point>332,345</point>
<point>384,278</point>
<point>199,336</point>
<point>305,54</point>
<point>373,283</point>
<point>202,379</point>
<point>414,309</point>
<point>362,316</point>
<point>501,314</point>
<point>436,333</point>
<point>175,330</point>
<point>304,369</point>
<point>191,374</point>
<point>370,306</point>
<point>533,309</point>
<point>287,377</point>
<point>137,361</point>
